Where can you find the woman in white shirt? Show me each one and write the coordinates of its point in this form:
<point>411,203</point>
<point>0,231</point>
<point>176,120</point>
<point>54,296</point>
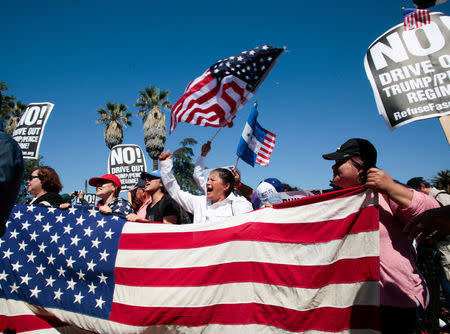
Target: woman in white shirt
<point>219,201</point>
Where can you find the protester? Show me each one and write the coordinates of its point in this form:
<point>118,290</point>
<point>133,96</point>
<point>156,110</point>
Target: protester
<point>403,288</point>
<point>11,175</point>
<point>219,201</point>
<point>139,199</point>
<point>433,227</point>
<point>80,195</point>
<point>44,185</point>
<point>158,205</point>
<point>240,189</point>
<point>108,188</point>
<point>162,208</point>
<point>434,224</point>
<point>419,184</point>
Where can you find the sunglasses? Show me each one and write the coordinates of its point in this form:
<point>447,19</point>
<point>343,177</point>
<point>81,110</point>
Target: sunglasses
<point>33,177</point>
<point>356,164</point>
<point>103,182</point>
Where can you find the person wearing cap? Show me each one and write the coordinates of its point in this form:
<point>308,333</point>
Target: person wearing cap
<point>163,208</point>
<point>44,185</point>
<point>140,199</point>
<point>219,201</point>
<point>108,188</point>
<point>403,288</point>
<point>419,184</point>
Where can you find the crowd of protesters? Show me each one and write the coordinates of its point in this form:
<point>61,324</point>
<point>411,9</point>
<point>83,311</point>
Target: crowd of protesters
<point>406,212</point>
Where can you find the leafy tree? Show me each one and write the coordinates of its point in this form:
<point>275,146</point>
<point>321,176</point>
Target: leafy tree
<point>115,117</point>
<point>183,168</point>
<point>28,166</point>
<point>442,180</point>
<point>6,102</point>
<point>16,111</point>
<point>150,102</point>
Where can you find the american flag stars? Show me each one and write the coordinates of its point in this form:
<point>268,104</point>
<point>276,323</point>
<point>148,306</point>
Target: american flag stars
<point>60,255</point>
<point>248,66</point>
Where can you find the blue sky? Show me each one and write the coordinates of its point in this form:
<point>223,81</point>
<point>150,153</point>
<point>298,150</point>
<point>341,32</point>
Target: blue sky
<point>81,54</point>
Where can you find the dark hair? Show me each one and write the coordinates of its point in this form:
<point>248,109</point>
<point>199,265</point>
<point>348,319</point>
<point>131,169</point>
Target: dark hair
<point>163,188</point>
<point>416,182</point>
<point>227,177</point>
<point>49,179</point>
<point>363,167</point>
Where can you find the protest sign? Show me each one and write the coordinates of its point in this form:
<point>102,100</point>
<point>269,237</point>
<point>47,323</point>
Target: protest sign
<point>29,131</point>
<point>409,72</point>
<point>127,162</point>
<point>296,194</point>
<point>90,198</point>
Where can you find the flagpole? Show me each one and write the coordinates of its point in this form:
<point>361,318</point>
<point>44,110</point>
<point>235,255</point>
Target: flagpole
<point>236,162</point>
<point>217,133</point>
<point>256,101</point>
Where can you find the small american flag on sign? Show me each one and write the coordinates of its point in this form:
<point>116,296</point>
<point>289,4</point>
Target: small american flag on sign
<point>415,18</point>
<point>215,97</point>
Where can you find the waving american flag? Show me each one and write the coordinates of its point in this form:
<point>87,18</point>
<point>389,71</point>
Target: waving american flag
<point>216,96</point>
<point>305,265</point>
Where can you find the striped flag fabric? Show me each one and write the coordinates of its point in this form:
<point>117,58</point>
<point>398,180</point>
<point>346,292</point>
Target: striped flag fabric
<point>214,98</point>
<point>309,265</point>
<point>415,18</point>
<point>256,143</point>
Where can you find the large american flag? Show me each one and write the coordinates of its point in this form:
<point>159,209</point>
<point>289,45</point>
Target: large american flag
<point>309,265</point>
<point>415,18</point>
<point>216,96</point>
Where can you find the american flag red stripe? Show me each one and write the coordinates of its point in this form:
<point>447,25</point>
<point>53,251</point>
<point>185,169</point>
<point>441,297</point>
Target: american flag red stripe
<point>268,273</point>
<point>262,232</point>
<point>280,317</point>
<point>417,19</point>
<point>207,102</point>
<point>266,149</point>
<point>290,268</point>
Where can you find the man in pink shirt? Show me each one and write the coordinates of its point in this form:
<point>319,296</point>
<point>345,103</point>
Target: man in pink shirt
<point>403,289</point>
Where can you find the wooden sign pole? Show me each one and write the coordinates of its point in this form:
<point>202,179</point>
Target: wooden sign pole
<point>445,123</point>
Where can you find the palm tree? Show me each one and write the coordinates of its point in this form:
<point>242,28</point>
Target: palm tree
<point>16,109</point>
<point>442,180</point>
<point>6,102</point>
<point>150,102</point>
<point>114,116</point>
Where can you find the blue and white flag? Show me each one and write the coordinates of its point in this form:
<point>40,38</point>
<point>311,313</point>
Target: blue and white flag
<point>256,143</point>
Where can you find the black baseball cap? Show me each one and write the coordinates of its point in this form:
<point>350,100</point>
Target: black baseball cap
<point>355,147</point>
<point>139,184</point>
<point>151,175</point>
